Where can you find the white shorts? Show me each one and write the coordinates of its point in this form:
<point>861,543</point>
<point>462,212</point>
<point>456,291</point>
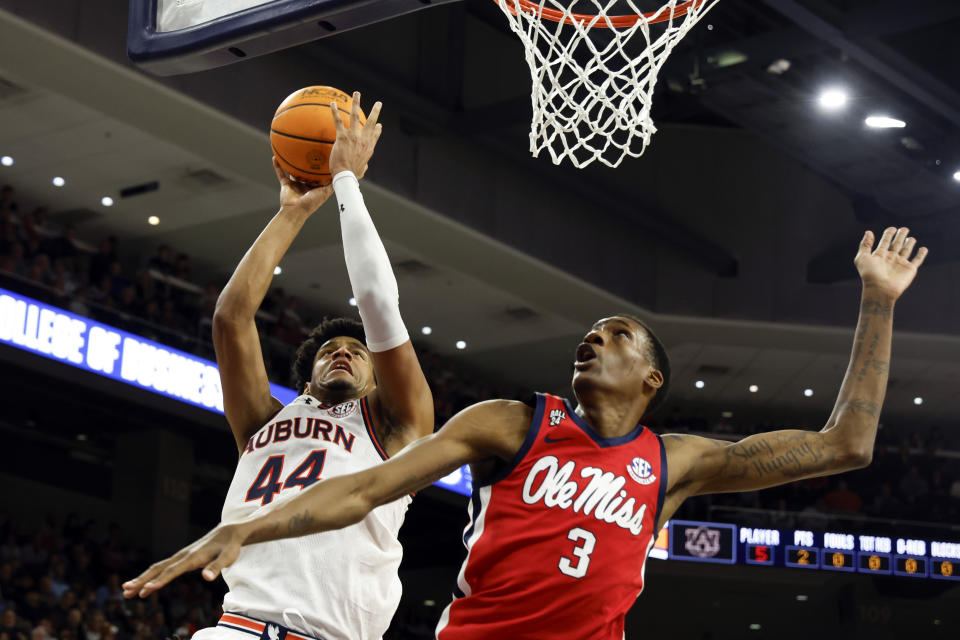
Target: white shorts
<point>234,626</point>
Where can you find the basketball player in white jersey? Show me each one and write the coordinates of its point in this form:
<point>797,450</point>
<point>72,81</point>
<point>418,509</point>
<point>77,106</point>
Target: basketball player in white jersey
<point>359,405</point>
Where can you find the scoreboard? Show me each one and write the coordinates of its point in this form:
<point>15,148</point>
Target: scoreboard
<point>722,543</point>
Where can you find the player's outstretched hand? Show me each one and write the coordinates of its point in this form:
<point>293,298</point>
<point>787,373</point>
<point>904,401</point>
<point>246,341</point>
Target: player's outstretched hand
<point>888,268</point>
<point>212,552</point>
<point>355,143</point>
<point>298,196</point>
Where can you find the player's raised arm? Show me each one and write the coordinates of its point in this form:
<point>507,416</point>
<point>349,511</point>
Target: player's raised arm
<point>402,402</point>
<point>701,465</point>
<point>484,431</point>
<point>247,402</point>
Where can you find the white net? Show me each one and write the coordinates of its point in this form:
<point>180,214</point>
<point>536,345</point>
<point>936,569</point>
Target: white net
<point>592,91</point>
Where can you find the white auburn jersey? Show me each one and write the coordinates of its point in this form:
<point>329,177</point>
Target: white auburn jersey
<point>336,585</point>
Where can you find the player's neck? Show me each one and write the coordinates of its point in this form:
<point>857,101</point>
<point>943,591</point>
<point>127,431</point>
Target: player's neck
<point>334,396</point>
<point>609,418</point>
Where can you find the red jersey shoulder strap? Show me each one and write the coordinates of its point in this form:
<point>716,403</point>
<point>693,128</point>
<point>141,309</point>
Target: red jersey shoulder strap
<point>532,430</point>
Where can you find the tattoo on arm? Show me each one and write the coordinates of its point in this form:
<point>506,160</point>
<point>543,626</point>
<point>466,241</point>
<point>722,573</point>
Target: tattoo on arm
<point>877,366</point>
<point>300,524</point>
<point>874,308</point>
<point>864,406</point>
<point>776,456</point>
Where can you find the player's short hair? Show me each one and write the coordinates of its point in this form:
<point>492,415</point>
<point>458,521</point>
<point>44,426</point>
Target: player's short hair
<point>327,330</point>
<point>657,356</point>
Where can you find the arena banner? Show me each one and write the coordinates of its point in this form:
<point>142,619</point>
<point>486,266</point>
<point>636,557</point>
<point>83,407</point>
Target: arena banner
<point>106,351</point>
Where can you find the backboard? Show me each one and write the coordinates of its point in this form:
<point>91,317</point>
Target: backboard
<point>169,37</point>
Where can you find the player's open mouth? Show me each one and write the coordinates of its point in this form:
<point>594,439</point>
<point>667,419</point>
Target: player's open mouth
<point>341,365</point>
<point>585,354</point>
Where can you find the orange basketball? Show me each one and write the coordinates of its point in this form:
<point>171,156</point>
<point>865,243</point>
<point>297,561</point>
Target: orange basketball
<point>303,132</point>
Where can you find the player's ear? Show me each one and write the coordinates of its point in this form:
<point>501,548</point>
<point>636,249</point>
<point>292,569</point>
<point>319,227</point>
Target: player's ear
<point>306,388</point>
<point>654,378</point>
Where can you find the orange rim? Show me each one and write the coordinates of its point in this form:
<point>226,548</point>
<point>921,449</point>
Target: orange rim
<point>528,6</point>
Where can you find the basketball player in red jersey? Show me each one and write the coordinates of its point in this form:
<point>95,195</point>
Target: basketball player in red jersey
<point>567,501</point>
<point>363,398</point>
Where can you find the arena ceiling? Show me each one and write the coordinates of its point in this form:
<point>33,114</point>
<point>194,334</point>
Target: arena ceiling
<point>733,235</point>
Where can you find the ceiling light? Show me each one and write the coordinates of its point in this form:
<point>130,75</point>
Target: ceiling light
<point>153,221</point>
<point>58,181</point>
<point>808,392</point>
<point>956,176</point>
<point>918,400</point>
<point>755,626</point>
<point>801,597</point>
<point>833,99</point>
<point>461,344</point>
<point>426,330</point>
<point>753,388</point>
<point>106,201</point>
<point>883,122</point>
<point>82,437</point>
<point>6,161</point>
<point>352,302</point>
<point>699,384</point>
<point>277,270</point>
<point>779,67</point>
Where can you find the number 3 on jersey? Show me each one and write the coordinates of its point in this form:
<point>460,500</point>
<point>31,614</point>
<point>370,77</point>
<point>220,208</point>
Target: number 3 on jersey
<point>580,551</point>
<point>267,483</point>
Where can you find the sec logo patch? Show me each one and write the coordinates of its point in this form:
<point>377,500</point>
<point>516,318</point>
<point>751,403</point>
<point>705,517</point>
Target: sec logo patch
<point>641,471</point>
<point>344,410</point>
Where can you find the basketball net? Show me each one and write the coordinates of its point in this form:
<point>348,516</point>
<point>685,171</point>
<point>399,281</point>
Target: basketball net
<point>591,98</point>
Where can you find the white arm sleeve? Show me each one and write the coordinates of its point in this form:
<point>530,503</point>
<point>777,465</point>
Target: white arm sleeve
<point>372,279</point>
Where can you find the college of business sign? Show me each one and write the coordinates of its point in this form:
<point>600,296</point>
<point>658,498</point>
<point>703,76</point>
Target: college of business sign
<point>66,337</point>
<point>101,349</point>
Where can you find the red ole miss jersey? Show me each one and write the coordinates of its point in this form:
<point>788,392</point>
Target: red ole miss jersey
<point>558,539</point>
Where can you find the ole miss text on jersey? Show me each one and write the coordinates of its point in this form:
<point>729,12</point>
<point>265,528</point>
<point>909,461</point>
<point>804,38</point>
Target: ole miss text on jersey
<point>558,538</point>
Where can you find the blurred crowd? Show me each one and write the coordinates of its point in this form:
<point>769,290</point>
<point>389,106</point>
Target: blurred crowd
<point>158,298</point>
<point>61,581</point>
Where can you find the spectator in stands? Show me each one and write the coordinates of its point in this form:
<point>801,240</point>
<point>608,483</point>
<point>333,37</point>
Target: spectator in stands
<point>100,292</point>
<point>64,248</point>
<point>129,303</point>
<point>146,286</point>
<point>40,271</point>
<point>110,590</point>
<point>64,282</point>
<point>58,581</point>
<point>118,281</point>
<point>170,318</point>
<point>101,261</point>
<point>162,261</point>
<point>14,262</point>
<point>35,225</point>
<point>13,625</point>
<point>32,608</point>
<point>7,202</point>
<point>9,232</point>
<point>181,268</point>
<point>842,499</point>
<point>78,304</point>
<point>913,486</point>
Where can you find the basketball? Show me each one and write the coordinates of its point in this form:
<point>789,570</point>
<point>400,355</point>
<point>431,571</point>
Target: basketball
<point>303,132</point>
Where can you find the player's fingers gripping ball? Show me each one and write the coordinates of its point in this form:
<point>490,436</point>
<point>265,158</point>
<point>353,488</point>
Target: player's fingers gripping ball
<point>303,132</point>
